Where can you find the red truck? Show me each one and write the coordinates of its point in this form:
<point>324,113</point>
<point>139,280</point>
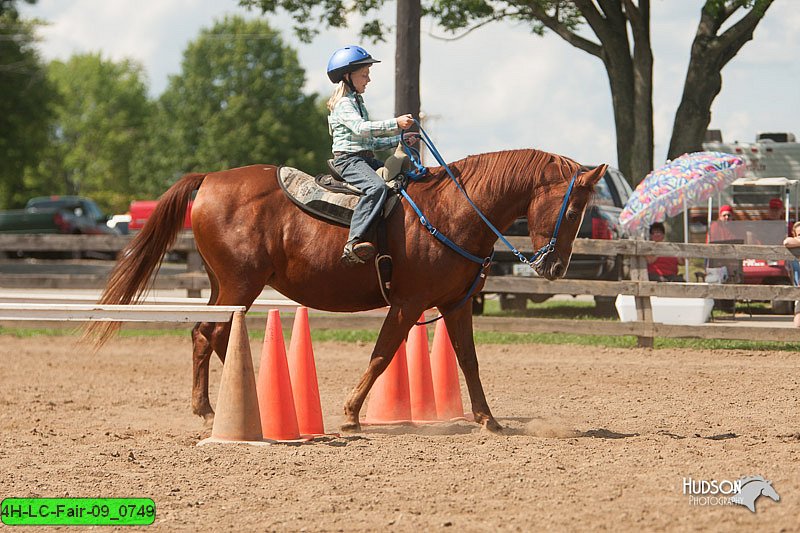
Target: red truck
<point>140,211</point>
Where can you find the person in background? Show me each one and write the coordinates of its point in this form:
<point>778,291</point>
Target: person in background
<point>793,267</point>
<point>775,211</point>
<point>720,229</point>
<point>661,268</point>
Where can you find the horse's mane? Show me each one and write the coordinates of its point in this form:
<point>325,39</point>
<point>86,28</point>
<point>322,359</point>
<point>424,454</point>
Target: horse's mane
<point>745,480</point>
<point>509,171</point>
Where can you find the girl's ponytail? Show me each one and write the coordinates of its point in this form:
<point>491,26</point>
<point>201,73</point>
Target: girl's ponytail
<point>338,93</point>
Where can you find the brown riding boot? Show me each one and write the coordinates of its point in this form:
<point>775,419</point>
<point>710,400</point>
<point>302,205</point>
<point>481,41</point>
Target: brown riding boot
<point>357,252</point>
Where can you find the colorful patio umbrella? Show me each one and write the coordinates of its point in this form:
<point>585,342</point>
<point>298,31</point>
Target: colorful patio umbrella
<point>683,182</point>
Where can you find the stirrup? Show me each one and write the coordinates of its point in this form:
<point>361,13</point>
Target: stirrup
<point>356,252</point>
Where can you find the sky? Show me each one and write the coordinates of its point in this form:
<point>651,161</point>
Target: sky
<point>499,87</point>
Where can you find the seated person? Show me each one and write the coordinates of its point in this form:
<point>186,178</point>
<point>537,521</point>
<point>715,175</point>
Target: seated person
<point>720,229</point>
<point>661,268</point>
<point>776,212</point>
<point>793,244</point>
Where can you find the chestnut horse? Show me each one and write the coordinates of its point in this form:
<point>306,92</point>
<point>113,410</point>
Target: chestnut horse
<point>250,235</point>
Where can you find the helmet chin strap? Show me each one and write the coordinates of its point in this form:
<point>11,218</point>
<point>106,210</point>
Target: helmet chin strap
<point>359,101</point>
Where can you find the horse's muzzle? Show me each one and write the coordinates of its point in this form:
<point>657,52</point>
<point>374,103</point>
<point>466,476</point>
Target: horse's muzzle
<point>550,267</point>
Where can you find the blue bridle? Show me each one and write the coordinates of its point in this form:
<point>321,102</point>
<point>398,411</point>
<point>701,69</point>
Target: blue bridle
<point>420,171</point>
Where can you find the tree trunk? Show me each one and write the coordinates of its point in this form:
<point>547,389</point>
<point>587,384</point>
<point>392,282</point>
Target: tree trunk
<point>703,84</point>
<point>407,58</point>
<point>622,100</point>
<point>642,150</point>
<point>630,76</point>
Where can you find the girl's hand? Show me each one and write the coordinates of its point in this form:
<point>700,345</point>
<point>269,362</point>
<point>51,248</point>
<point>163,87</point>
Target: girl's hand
<point>405,121</point>
<point>410,137</point>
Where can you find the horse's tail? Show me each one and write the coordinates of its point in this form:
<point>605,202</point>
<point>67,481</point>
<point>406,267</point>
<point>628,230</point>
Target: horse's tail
<point>133,273</point>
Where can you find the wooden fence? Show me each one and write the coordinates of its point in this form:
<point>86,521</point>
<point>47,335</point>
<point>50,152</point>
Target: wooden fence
<point>194,280</point>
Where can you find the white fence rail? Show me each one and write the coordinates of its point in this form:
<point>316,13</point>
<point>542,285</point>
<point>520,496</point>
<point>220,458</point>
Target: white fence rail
<point>116,313</point>
<point>259,306</point>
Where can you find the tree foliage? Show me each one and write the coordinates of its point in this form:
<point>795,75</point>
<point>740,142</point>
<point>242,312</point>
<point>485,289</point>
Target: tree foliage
<point>99,122</point>
<point>713,48</point>
<point>312,15</point>
<point>615,31</point>
<point>25,105</point>
<point>621,40</point>
<point>9,7</point>
<point>237,101</point>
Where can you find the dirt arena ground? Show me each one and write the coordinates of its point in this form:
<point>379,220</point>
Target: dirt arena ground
<point>595,439</point>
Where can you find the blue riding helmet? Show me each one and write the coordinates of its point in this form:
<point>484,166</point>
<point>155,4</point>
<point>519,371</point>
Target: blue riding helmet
<point>346,60</point>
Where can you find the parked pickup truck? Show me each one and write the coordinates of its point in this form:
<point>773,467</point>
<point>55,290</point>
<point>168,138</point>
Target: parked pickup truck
<point>600,222</point>
<point>56,214</point>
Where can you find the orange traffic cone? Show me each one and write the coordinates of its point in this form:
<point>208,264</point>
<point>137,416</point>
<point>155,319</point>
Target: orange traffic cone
<point>303,373</point>
<point>275,401</point>
<point>445,376</point>
<point>237,418</point>
<point>389,401</point>
<point>420,383</point>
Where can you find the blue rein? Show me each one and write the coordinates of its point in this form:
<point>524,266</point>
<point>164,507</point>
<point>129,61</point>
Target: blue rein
<point>420,171</point>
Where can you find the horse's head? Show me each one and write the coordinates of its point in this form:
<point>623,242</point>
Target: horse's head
<point>545,215</point>
<point>769,491</point>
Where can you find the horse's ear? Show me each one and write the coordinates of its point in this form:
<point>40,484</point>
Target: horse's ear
<point>593,176</point>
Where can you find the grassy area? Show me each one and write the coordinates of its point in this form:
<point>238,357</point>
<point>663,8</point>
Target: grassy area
<point>481,337</point>
<point>571,309</point>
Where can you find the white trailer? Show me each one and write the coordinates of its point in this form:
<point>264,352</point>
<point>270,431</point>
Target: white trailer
<point>771,155</point>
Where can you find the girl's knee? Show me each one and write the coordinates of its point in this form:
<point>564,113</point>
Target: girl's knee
<point>378,189</point>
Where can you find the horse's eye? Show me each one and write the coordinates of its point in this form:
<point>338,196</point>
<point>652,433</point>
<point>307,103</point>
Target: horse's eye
<point>572,216</point>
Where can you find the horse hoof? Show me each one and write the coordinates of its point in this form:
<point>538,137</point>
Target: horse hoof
<point>350,427</point>
<point>492,426</point>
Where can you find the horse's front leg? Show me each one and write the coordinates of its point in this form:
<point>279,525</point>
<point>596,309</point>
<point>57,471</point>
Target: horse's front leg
<point>459,326</point>
<point>395,328</point>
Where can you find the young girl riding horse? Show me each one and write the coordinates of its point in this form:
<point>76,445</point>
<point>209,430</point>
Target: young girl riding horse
<point>355,137</point>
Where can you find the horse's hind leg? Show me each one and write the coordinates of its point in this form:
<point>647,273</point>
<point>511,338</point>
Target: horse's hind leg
<point>201,356</point>
<point>394,330</point>
<point>208,337</point>
<point>459,326</point>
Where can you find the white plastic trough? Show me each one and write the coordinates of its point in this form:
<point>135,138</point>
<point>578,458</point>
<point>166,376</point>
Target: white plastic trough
<point>675,311</point>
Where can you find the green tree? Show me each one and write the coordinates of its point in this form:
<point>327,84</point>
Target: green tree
<point>99,122</point>
<point>237,101</point>
<point>25,102</point>
<point>621,30</point>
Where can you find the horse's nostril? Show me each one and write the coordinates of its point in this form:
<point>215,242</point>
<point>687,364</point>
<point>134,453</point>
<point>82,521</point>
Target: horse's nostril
<point>558,269</point>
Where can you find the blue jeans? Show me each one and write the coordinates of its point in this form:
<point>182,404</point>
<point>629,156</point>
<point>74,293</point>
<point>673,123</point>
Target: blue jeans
<point>360,172</point>
<point>794,273</point>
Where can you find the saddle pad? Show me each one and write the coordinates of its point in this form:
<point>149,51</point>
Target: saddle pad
<point>312,197</point>
<point>303,190</point>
